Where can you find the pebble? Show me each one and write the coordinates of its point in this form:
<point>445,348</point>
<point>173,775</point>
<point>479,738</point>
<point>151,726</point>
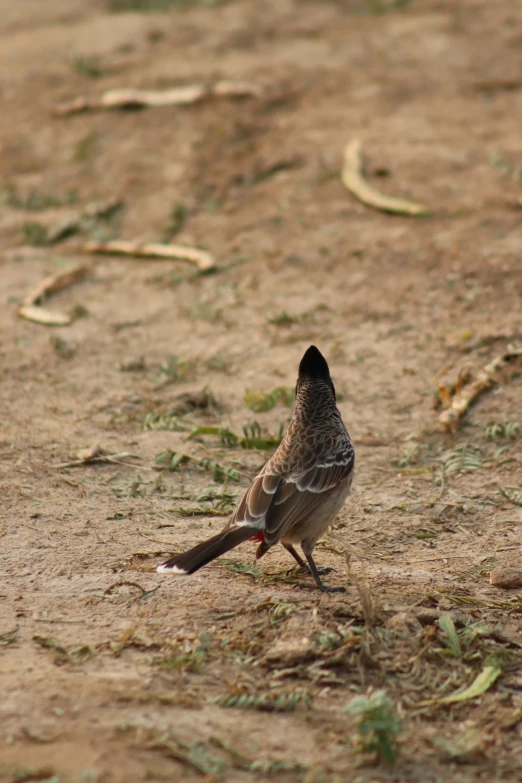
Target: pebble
<point>506,576</point>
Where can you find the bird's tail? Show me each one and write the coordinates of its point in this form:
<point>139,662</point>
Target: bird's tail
<point>208,550</point>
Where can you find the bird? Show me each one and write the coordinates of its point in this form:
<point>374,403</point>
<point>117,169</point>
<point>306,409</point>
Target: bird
<point>297,494</point>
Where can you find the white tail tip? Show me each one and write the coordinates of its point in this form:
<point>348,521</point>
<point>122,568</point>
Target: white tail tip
<point>166,569</point>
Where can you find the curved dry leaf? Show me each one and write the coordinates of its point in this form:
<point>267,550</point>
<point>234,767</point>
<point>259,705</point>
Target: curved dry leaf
<point>39,315</point>
<point>353,179</point>
<point>203,260</point>
<point>480,685</point>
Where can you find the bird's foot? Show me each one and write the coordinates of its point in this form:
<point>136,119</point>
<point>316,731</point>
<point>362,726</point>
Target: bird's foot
<point>326,589</point>
<point>304,569</point>
<point>323,588</point>
<point>324,570</point>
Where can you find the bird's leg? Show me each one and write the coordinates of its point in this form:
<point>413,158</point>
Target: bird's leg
<point>315,574</point>
<point>297,557</point>
<point>295,554</point>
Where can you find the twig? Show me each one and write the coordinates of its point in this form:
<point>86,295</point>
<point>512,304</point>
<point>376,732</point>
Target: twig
<point>123,583</point>
<point>68,622</point>
<point>116,458</point>
<point>203,260</point>
<point>156,540</point>
<point>353,179</point>
<point>468,392</point>
<point>439,557</point>
<point>128,98</point>
<point>31,309</point>
<point>97,454</point>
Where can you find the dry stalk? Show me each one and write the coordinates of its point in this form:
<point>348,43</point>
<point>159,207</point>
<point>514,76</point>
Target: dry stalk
<point>203,260</point>
<point>129,98</point>
<point>353,179</point>
<point>469,386</point>
<point>31,309</point>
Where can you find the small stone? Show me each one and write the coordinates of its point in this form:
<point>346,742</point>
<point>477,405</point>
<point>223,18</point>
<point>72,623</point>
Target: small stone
<point>506,576</point>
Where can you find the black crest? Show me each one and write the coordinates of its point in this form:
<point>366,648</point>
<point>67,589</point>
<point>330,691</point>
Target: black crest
<point>314,365</point>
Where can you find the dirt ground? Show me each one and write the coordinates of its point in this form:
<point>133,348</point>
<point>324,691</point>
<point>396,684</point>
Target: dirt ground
<point>112,672</point>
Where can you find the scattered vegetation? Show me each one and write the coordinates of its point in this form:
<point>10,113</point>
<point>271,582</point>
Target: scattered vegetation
<point>378,726</point>
<point>260,402</point>
<point>61,347</point>
<point>464,458</point>
<point>189,659</point>
<point>174,369</point>
<point>36,201</point>
<point>62,654</point>
<point>88,65</point>
<point>94,220</point>
<point>410,455</point>
<point>154,6</point>
<point>44,774</point>
<point>9,637</point>
<point>266,702</point>
<point>509,430</point>
<point>379,7</point>
<point>163,421</point>
<point>513,494</point>
<point>283,319</point>
<point>252,436</point>
<point>175,461</point>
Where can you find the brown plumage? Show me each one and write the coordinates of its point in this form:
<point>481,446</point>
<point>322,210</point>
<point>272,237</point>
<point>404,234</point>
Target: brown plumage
<point>297,494</point>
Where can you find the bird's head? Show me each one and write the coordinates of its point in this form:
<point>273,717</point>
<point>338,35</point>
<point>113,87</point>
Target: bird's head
<point>313,366</point>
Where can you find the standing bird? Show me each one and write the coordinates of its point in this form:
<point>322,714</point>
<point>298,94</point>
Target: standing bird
<point>297,494</point>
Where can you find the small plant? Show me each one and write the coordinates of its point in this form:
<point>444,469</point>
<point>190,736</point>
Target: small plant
<point>252,436</point>
<point>174,369</point>
<point>163,421</point>
<point>509,430</point>
<point>378,726</point>
<point>35,234</point>
<point>88,66</point>
<point>174,460</point>
<point>61,653</point>
<point>447,626</point>
<point>283,319</point>
<point>61,347</point>
<point>242,568</point>
<point>9,637</point>
<point>35,201</point>
<point>514,494</point>
<point>410,455</point>
<point>267,702</point>
<point>153,6</point>
<point>190,659</point>
<point>464,458</point>
<point>260,402</point>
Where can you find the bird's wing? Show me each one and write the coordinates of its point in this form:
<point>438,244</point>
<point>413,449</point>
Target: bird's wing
<point>256,501</point>
<point>298,495</point>
<point>277,499</point>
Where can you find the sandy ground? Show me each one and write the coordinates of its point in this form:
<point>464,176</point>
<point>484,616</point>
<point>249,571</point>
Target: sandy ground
<point>111,672</point>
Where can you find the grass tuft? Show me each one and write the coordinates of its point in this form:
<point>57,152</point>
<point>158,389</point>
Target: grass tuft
<point>378,725</point>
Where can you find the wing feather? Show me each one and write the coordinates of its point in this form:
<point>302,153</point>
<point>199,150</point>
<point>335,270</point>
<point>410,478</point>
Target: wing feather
<point>278,499</point>
<point>256,501</point>
<point>298,495</point>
